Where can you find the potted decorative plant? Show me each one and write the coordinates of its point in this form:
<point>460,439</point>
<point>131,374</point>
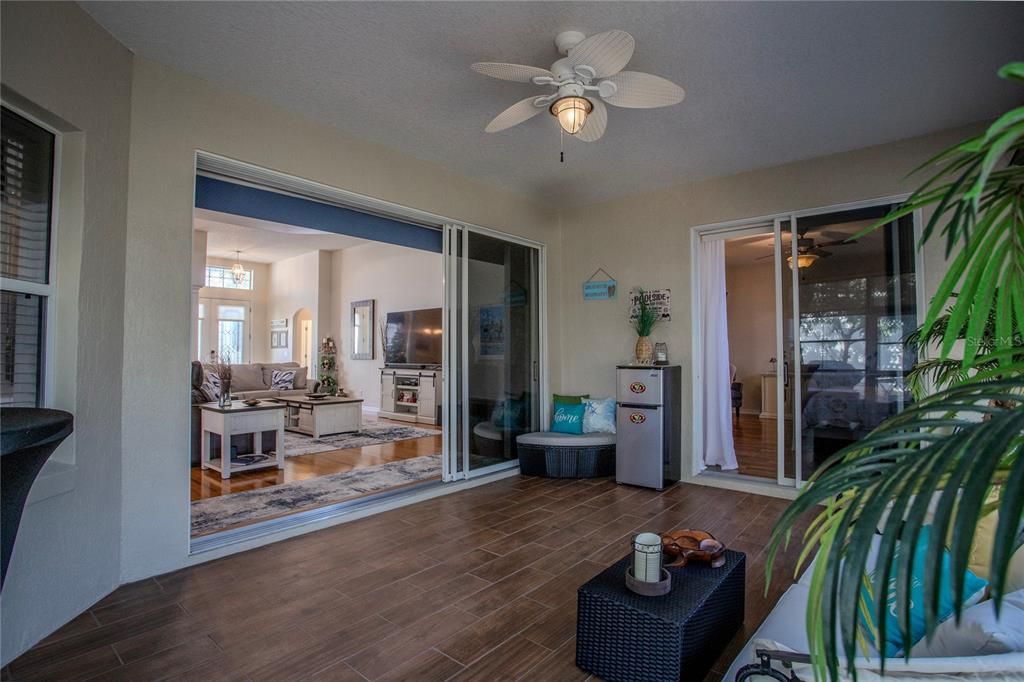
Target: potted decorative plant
<point>644,321</point>
<point>222,368</point>
<point>953,457</point>
<point>329,367</point>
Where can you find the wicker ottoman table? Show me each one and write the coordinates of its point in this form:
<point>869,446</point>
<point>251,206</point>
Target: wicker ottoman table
<point>622,636</point>
<point>566,455</point>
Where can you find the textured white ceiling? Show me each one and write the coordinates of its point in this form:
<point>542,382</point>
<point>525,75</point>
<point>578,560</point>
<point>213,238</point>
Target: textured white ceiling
<point>767,83</point>
<point>262,241</point>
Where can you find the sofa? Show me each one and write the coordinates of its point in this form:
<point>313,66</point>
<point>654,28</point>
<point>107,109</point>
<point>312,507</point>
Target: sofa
<point>783,636</point>
<point>247,381</point>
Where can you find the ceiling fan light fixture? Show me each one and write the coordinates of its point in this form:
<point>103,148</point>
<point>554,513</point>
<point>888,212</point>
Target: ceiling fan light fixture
<point>571,113</point>
<point>803,260</point>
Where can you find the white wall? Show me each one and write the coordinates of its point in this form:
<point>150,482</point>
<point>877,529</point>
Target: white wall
<point>644,240</point>
<point>296,284</point>
<point>257,301</point>
<point>56,60</point>
<point>397,278</point>
<point>174,114</point>
<point>751,313</point>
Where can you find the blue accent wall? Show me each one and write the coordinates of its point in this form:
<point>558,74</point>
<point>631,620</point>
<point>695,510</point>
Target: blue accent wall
<point>252,202</point>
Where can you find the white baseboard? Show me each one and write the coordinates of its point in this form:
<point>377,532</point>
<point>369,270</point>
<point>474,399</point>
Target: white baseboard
<point>370,409</point>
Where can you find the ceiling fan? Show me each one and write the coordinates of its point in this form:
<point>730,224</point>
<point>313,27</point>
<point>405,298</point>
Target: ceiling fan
<point>589,75</point>
<point>808,250</point>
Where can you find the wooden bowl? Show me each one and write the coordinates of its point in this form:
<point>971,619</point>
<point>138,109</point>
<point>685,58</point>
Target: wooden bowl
<point>683,546</point>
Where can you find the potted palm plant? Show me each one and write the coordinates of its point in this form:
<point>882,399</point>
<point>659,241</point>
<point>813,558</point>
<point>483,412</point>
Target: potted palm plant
<point>643,321</point>
<point>955,455</point>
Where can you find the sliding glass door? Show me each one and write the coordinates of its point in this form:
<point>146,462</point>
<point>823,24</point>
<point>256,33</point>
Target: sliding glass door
<point>493,361</point>
<point>854,302</point>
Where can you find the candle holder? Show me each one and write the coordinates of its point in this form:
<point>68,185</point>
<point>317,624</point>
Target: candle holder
<point>646,576</point>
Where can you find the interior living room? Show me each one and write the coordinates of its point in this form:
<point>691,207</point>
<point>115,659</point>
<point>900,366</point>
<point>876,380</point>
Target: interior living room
<point>511,341</point>
<point>307,322</point>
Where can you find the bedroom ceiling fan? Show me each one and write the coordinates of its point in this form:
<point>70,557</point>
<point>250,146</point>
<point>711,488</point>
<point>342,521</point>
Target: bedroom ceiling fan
<point>809,250</point>
<point>589,75</point>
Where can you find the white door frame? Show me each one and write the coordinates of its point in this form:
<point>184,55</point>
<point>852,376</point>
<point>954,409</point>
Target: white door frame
<point>734,228</point>
<point>456,316</point>
<point>216,165</point>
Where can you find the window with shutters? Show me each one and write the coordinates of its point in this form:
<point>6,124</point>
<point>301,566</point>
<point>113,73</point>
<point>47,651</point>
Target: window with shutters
<point>27,158</point>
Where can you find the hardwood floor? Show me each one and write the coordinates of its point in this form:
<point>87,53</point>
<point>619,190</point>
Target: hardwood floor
<point>477,585</point>
<point>755,442</point>
<point>208,483</point>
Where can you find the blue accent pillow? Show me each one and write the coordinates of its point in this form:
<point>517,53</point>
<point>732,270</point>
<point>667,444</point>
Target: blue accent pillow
<point>973,586</point>
<point>599,415</point>
<point>508,414</point>
<point>568,419</point>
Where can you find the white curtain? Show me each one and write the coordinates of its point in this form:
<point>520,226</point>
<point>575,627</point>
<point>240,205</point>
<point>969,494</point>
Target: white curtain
<point>718,444</point>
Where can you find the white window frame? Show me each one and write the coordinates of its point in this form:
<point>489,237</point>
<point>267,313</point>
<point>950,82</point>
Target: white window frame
<point>207,285</point>
<point>48,290</point>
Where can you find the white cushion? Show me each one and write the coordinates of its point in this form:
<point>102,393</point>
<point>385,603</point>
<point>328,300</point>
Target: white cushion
<point>488,431</point>
<point>570,440</point>
<point>980,632</point>
<point>785,625</point>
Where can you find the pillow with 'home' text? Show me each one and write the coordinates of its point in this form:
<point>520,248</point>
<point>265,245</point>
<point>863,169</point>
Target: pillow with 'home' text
<point>568,419</point>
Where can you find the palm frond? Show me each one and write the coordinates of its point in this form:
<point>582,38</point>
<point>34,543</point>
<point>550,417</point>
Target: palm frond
<point>953,456</point>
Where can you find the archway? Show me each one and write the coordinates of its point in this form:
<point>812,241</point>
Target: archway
<point>303,346</point>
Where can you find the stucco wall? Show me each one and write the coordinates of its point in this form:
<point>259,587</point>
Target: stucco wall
<point>174,114</point>
<point>68,549</point>
<point>644,240</point>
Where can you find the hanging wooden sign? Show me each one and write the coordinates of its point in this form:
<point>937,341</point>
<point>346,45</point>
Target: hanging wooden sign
<point>599,289</point>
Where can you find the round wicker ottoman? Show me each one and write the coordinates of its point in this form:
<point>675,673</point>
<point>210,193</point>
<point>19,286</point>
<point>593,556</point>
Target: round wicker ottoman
<point>566,455</point>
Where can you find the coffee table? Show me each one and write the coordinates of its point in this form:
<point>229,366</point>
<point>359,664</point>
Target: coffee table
<point>239,418</point>
<point>324,416</point>
<point>623,636</point>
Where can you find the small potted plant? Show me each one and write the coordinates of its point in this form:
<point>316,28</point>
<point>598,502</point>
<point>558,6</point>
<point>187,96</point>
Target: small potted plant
<point>643,324</point>
<point>222,368</point>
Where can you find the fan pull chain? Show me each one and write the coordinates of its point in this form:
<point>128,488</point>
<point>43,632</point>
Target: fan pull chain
<point>561,145</point>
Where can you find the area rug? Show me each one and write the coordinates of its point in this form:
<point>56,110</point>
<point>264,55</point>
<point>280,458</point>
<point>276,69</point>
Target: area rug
<point>221,512</point>
<point>298,444</point>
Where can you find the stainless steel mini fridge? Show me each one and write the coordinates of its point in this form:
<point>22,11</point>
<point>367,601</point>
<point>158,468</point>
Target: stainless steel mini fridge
<point>648,439</point>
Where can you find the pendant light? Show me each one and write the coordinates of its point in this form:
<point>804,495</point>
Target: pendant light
<point>237,271</point>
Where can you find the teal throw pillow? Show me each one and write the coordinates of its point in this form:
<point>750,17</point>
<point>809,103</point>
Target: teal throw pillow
<point>973,587</point>
<point>568,419</point>
<point>508,414</point>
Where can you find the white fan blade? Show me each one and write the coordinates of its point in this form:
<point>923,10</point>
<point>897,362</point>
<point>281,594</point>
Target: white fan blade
<point>607,53</point>
<point>523,110</point>
<point>637,90</point>
<point>597,121</point>
<point>510,72</point>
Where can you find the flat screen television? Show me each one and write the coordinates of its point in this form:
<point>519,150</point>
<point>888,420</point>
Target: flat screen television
<point>412,338</point>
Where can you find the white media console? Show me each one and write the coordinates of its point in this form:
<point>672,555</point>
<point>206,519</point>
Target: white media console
<point>412,395</point>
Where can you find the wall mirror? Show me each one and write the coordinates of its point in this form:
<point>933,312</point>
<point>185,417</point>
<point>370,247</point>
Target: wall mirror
<point>362,330</point>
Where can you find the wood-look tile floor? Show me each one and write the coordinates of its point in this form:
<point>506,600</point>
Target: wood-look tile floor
<point>476,585</point>
<point>208,483</point>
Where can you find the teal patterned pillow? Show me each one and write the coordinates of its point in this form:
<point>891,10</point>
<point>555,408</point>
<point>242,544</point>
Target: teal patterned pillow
<point>568,419</point>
